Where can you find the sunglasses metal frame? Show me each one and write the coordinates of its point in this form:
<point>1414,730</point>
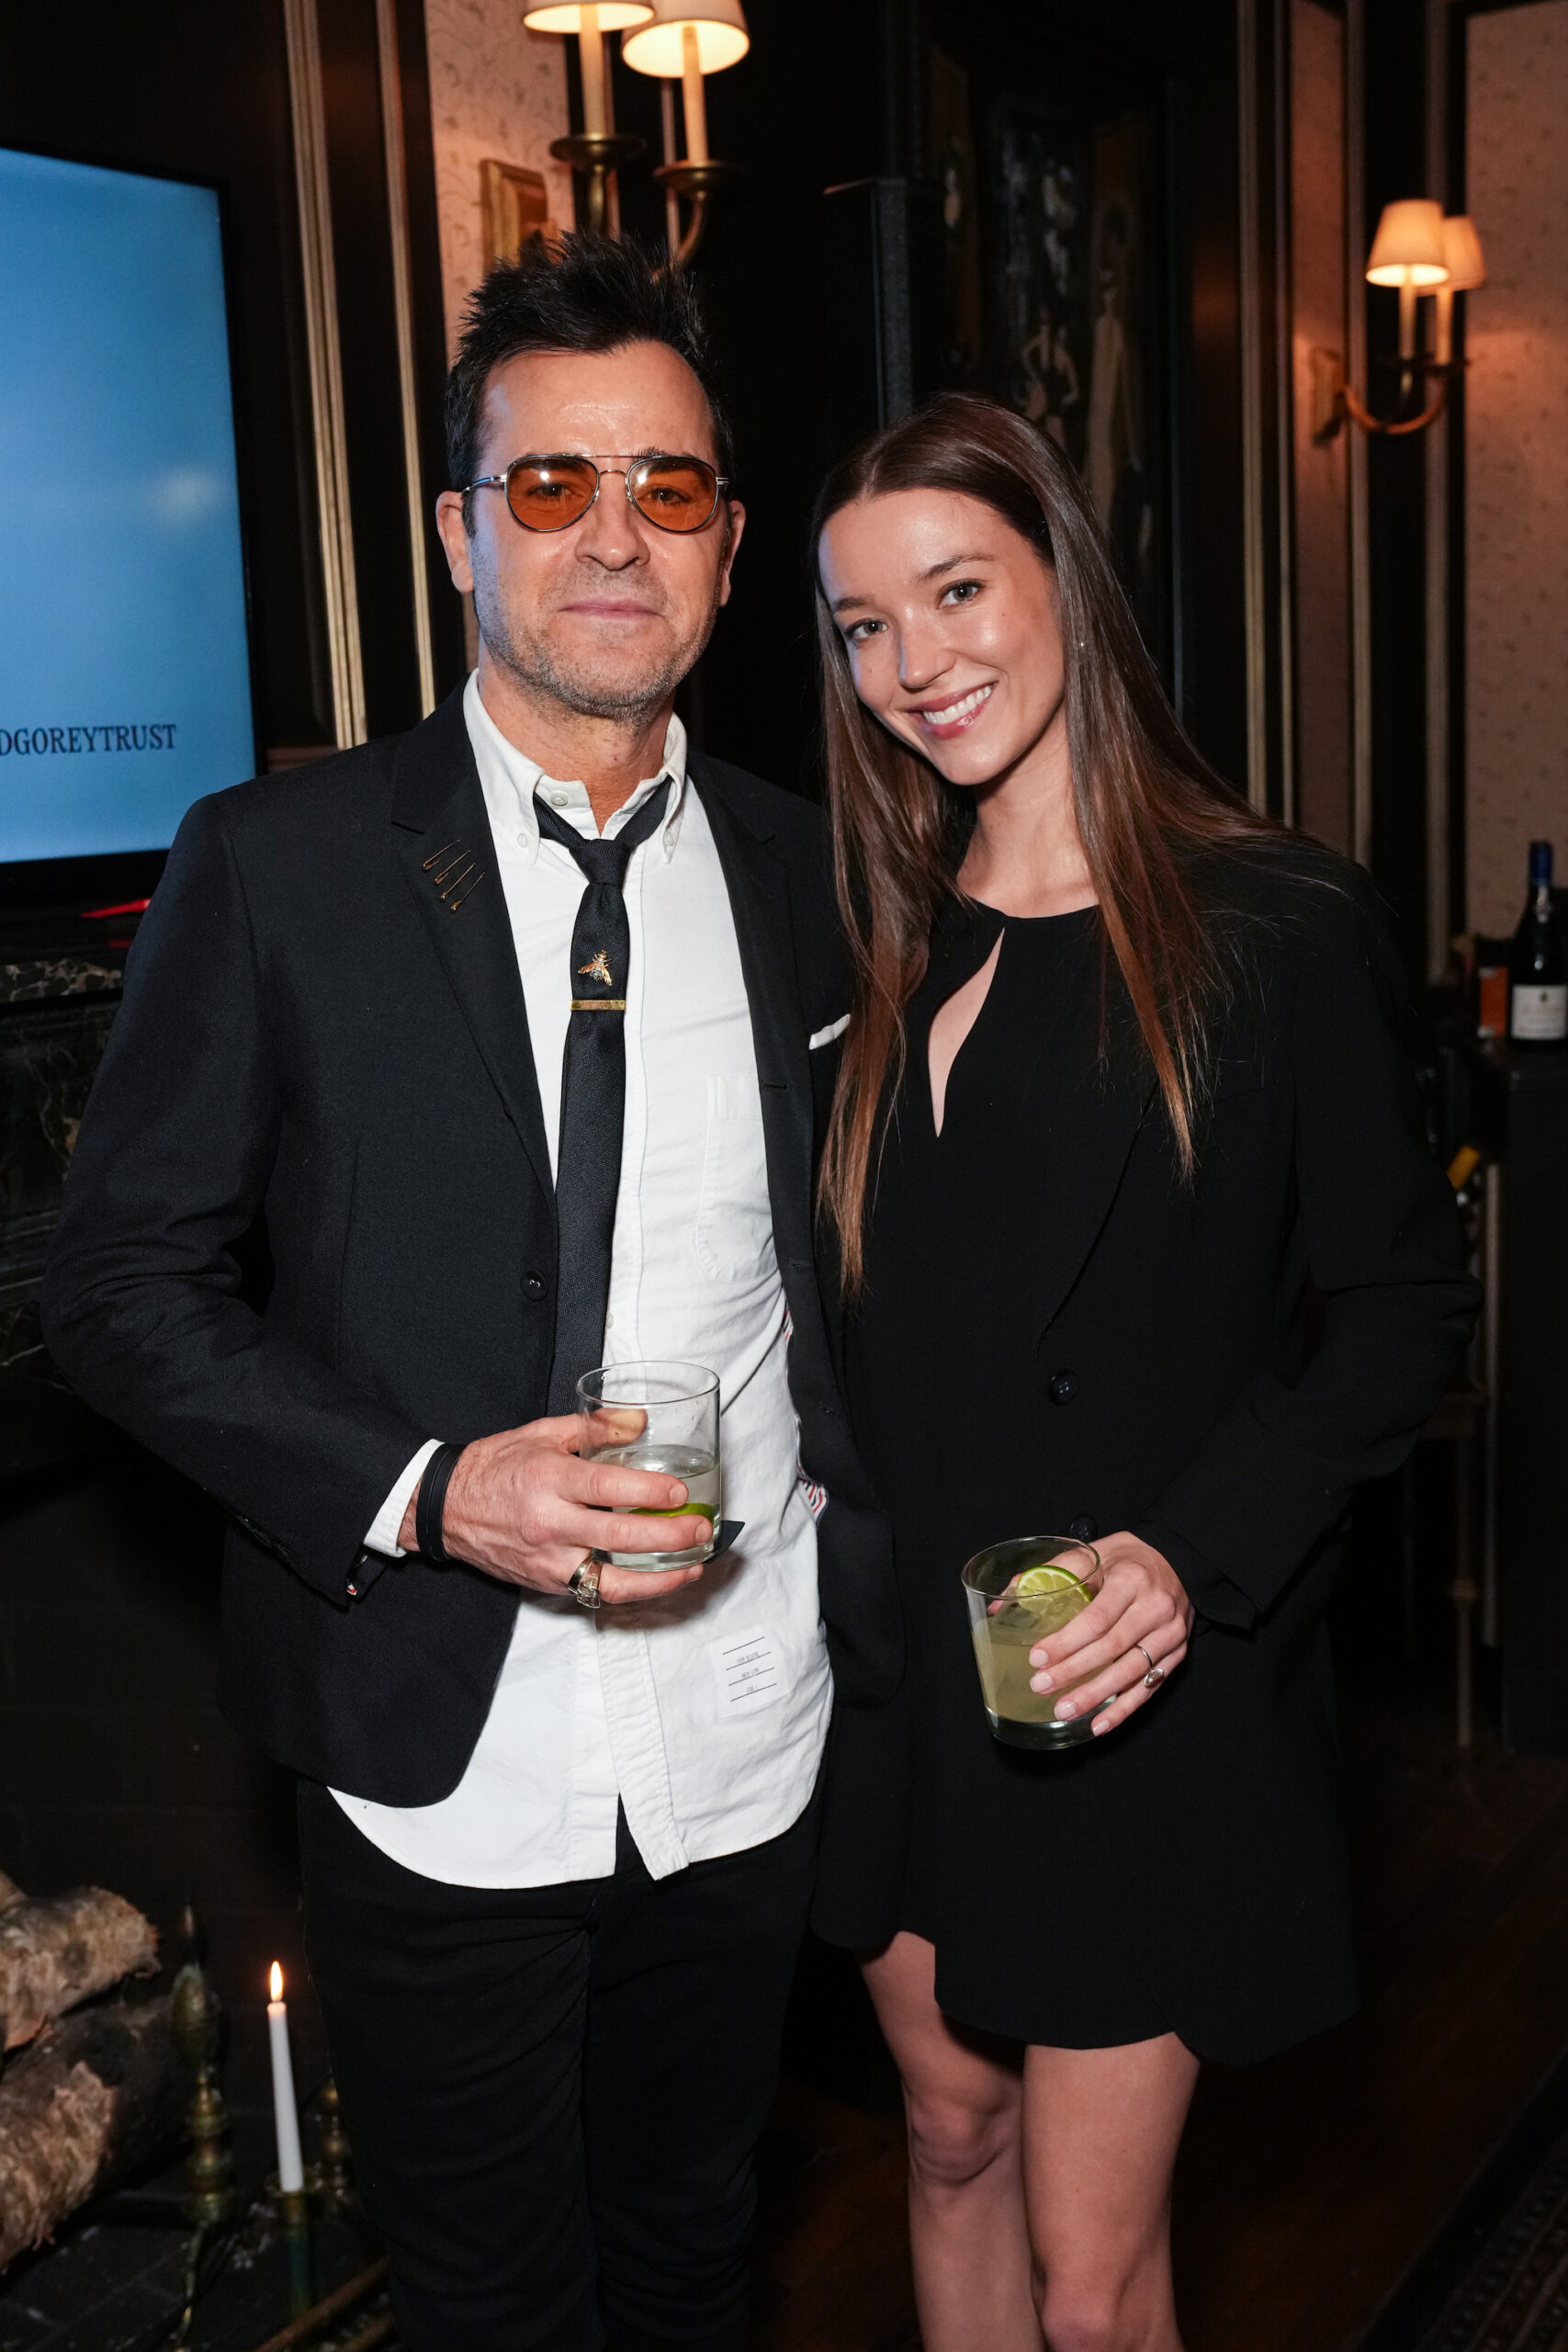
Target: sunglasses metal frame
<point>625,465</point>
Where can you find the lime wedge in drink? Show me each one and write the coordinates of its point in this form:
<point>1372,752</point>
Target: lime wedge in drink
<point>1047,1597</point>
<point>1049,1576</point>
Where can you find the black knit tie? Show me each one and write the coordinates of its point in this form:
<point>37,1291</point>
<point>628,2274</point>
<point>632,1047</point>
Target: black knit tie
<point>593,1093</point>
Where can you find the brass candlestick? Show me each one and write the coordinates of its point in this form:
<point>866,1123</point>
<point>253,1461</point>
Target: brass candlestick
<point>196,2019</point>
<point>338,2194</point>
<point>294,2211</point>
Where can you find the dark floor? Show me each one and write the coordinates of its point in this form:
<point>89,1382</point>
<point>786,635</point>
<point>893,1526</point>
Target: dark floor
<point>1307,2187</point>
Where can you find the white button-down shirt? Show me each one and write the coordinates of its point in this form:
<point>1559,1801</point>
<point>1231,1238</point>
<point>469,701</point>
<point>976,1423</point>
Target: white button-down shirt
<point>705,1715</point>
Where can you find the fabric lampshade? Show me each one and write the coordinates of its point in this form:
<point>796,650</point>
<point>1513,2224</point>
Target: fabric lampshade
<point>1462,251</point>
<point>566,16</point>
<point>658,46</point>
<point>1408,247</point>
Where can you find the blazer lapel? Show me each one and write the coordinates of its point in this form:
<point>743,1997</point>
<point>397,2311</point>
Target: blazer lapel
<point>758,883</point>
<point>447,857</point>
<point>1057,1210</point>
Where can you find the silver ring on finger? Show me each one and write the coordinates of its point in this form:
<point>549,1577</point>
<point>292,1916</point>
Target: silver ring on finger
<point>1155,1674</point>
<point>583,1582</point>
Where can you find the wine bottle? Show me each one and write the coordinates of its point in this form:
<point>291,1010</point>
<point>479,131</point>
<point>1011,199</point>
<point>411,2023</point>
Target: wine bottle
<point>1538,964</point>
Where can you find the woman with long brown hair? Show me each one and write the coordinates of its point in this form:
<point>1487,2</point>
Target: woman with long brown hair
<point>1122,1095</point>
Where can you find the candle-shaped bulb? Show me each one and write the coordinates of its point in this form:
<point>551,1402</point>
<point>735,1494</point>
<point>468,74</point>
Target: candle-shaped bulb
<point>275,1992</point>
<point>694,101</point>
<point>590,58</point>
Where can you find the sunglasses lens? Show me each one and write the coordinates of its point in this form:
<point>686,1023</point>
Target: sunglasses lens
<point>547,494</point>
<point>678,494</point>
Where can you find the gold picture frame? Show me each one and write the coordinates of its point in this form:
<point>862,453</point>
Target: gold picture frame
<point>515,206</point>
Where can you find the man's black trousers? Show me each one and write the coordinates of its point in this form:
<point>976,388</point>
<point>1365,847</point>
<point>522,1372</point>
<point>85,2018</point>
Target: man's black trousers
<point>555,2092</point>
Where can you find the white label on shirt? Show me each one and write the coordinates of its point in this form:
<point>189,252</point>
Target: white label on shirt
<point>746,1671</point>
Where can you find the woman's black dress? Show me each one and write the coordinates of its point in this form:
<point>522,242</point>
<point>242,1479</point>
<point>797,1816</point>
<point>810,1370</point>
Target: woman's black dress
<point>1061,1336</point>
<point>937,1365</point>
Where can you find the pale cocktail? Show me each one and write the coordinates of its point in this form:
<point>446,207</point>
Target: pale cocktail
<point>1019,1594</point>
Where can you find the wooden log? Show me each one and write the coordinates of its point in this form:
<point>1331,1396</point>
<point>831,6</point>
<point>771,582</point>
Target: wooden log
<point>61,1948</point>
<point>97,2096</point>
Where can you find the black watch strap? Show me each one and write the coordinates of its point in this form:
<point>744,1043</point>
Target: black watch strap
<point>431,1501</point>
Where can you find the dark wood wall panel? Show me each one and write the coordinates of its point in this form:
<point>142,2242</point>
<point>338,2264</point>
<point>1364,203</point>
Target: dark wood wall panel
<point>826,95</point>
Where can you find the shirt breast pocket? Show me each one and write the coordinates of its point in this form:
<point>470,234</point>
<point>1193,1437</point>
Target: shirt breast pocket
<point>735,1224</point>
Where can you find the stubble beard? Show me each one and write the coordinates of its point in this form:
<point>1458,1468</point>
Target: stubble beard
<point>546,671</point>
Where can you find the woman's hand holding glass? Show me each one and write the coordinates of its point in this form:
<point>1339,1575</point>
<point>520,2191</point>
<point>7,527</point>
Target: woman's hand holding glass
<point>1139,1620</point>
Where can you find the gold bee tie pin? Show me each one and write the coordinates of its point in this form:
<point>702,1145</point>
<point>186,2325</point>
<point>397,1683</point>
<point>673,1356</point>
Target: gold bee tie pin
<point>598,969</point>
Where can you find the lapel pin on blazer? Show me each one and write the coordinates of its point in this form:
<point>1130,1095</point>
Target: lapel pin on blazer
<point>452,886</point>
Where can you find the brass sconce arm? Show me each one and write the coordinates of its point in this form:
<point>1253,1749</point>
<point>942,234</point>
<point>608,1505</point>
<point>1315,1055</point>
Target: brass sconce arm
<point>697,182</point>
<point>1335,399</point>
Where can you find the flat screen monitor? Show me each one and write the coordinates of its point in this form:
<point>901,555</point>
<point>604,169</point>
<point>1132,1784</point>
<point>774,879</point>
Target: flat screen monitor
<point>125,679</point>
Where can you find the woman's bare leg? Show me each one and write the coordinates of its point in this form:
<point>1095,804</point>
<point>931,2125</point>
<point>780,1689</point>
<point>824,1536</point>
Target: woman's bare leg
<point>1101,2132</point>
<point>974,2282</point>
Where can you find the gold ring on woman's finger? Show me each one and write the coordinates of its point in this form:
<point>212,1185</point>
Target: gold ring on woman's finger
<point>583,1582</point>
<point>1155,1674</point>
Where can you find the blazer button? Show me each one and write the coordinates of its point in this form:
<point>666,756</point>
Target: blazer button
<point>535,1285</point>
<point>1062,1387</point>
<point>1084,1527</point>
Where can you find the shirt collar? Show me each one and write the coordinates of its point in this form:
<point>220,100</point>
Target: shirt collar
<point>509,779</point>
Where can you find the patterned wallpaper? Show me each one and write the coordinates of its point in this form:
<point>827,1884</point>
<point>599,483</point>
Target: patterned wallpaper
<point>1517,456</point>
<point>495,91</point>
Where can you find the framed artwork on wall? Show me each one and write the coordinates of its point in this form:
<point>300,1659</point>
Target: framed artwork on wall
<point>1054,179</point>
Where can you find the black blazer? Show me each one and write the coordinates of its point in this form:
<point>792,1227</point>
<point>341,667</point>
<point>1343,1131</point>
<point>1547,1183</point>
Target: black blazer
<point>313,1037</point>
<point>1244,1352</point>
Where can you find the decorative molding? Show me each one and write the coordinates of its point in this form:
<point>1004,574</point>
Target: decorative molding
<point>1316,656</point>
<point>1355,456</point>
<point>1255,589</point>
<point>307,115</point>
<point>1284,402</point>
<point>402,300</point>
<point>1440,916</point>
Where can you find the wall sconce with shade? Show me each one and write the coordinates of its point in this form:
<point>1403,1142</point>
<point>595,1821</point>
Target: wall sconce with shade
<point>682,43</point>
<point>678,40</point>
<point>683,40</point>
<point>598,149</point>
<point>1419,251</point>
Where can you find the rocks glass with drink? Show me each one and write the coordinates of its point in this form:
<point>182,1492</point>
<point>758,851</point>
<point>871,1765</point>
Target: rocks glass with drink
<point>660,1416</point>
<point>1019,1594</point>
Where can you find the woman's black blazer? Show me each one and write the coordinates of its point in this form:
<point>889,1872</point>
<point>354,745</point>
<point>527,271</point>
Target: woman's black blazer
<point>1247,1349</point>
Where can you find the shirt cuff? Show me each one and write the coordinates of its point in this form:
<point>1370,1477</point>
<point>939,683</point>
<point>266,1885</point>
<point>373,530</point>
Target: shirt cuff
<point>383,1535</point>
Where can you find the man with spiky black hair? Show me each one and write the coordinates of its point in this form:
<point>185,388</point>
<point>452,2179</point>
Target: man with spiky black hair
<point>516,1032</point>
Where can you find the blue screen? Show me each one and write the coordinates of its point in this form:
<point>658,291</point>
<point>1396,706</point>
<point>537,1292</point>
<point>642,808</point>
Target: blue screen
<point>124,671</point>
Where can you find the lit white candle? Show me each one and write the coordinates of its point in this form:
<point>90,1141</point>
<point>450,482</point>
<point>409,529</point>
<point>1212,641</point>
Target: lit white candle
<point>290,2169</point>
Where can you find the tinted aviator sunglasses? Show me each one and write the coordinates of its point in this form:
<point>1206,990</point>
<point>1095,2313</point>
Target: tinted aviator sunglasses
<point>550,493</point>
